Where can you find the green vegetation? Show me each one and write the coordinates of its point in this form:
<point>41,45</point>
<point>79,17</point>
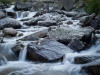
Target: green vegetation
<point>6,1</point>
<point>92,6</point>
<point>24,0</point>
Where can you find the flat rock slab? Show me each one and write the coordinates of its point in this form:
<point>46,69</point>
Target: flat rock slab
<point>47,50</point>
<point>34,35</point>
<point>47,23</point>
<point>66,34</point>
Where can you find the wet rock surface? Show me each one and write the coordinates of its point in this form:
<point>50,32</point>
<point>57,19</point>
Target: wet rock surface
<point>85,59</point>
<point>47,50</point>
<point>56,39</point>
<point>9,22</point>
<point>76,44</point>
<point>2,14</point>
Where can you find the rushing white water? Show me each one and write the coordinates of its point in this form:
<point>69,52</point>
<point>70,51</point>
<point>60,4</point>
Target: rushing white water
<point>24,15</point>
<point>23,54</point>
<point>23,67</point>
<point>5,49</point>
<point>11,9</point>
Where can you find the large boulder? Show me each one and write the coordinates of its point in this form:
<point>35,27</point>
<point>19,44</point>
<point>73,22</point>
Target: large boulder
<point>47,50</point>
<point>66,34</point>
<point>23,6</point>
<point>9,22</point>
<point>9,31</point>
<point>2,14</point>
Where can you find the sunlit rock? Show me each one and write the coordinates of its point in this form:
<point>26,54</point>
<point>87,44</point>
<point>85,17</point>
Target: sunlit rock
<point>9,31</point>
<point>66,34</point>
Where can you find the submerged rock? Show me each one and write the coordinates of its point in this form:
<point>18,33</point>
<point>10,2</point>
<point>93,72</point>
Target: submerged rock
<point>9,22</point>
<point>47,50</point>
<point>66,34</point>
<point>9,31</point>
<point>23,6</point>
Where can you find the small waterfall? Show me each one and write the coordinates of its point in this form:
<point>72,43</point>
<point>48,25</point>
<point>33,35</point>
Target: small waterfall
<point>24,15</point>
<point>18,15</point>
<point>5,49</point>
<point>23,53</point>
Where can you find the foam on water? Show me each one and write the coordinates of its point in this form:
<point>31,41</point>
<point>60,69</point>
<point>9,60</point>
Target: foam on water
<point>11,9</point>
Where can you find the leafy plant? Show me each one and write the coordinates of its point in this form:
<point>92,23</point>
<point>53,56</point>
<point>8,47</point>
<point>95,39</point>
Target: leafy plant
<point>24,0</point>
<point>93,6</point>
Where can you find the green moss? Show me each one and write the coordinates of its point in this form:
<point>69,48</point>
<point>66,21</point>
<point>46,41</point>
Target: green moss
<point>6,1</point>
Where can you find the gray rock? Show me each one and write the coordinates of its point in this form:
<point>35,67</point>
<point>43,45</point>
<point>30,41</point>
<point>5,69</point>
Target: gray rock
<point>9,31</point>
<point>17,47</point>
<point>76,44</point>
<point>38,6</point>
<point>23,6</point>
<point>11,14</point>
<point>2,14</point>
<point>87,19</point>
<point>67,4</point>
<point>35,35</point>
<point>47,50</point>
<point>46,23</point>
<point>34,21</point>
<point>85,59</point>
<point>9,22</point>
<point>66,34</point>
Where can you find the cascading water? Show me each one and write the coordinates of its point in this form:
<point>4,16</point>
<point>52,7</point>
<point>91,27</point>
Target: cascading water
<point>5,49</point>
<point>22,67</point>
<point>23,53</point>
